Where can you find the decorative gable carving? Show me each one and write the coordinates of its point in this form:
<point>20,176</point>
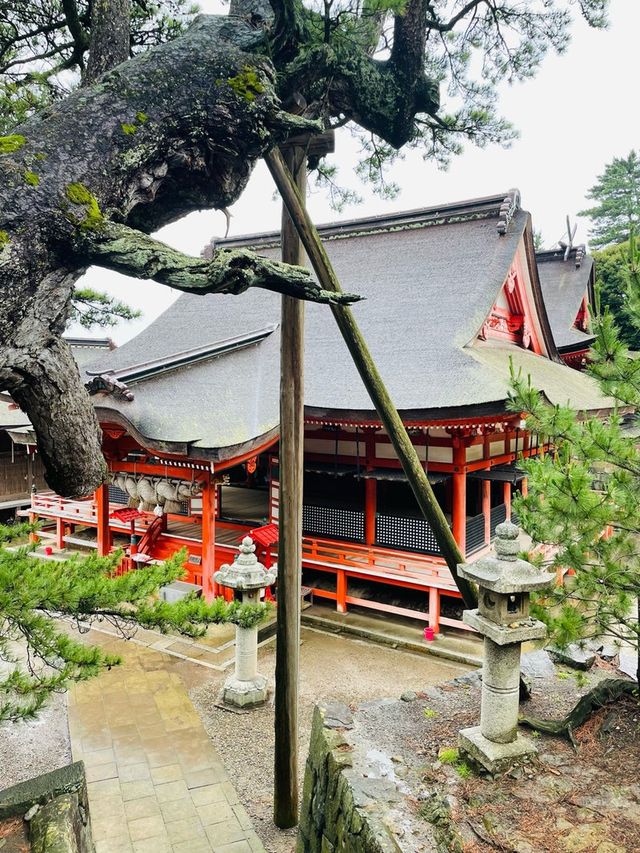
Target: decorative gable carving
<point>511,318</point>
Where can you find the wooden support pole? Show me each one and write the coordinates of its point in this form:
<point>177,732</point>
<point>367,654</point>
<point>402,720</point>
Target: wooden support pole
<point>209,586</point>
<point>285,799</point>
<point>371,378</point>
<point>102,517</point>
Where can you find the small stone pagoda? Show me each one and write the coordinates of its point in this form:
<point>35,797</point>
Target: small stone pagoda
<point>246,687</point>
<point>504,586</point>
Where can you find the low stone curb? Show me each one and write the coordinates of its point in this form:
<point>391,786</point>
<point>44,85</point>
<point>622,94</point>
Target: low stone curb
<point>395,642</point>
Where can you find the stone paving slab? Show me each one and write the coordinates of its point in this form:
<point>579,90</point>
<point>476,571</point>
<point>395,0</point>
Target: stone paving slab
<point>155,782</point>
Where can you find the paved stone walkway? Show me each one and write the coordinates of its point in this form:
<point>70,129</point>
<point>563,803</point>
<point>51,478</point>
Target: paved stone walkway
<point>156,784</point>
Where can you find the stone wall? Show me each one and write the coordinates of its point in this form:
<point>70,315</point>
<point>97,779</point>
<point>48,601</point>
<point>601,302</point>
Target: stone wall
<point>57,808</point>
<point>350,802</point>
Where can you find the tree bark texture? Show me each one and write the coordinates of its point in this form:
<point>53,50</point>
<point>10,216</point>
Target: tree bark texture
<point>110,37</point>
<point>175,129</point>
<point>290,453</point>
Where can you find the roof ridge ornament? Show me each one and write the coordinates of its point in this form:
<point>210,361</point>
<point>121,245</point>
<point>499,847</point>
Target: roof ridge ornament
<point>569,246</point>
<point>508,208</point>
<point>105,383</point>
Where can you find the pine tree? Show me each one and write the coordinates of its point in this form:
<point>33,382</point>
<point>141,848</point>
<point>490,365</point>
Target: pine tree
<point>617,196</point>
<point>95,308</point>
<point>40,599</point>
<point>612,269</point>
<point>584,497</point>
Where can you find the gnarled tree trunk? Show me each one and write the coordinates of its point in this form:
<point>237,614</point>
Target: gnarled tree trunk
<point>173,130</point>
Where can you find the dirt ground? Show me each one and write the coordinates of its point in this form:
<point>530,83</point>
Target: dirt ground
<point>337,667</point>
<point>582,799</point>
<point>13,837</point>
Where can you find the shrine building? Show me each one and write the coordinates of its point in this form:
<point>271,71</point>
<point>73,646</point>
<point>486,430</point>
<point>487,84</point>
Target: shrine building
<point>456,299</point>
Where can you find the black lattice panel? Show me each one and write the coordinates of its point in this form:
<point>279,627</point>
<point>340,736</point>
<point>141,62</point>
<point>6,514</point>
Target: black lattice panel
<point>333,522</point>
<point>475,533</point>
<point>117,496</point>
<point>411,534</point>
<point>498,515</point>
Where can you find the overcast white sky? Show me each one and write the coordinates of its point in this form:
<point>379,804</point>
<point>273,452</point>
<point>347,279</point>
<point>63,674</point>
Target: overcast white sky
<point>574,117</point>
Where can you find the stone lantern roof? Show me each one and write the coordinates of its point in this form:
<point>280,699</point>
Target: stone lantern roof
<point>245,573</point>
<point>505,573</point>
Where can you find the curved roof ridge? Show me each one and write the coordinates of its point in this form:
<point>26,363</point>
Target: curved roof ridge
<point>441,214</point>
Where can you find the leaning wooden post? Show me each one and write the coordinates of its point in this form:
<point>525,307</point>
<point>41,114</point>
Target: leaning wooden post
<point>285,795</point>
<point>370,376</point>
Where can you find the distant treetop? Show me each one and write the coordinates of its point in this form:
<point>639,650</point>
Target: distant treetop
<point>616,194</point>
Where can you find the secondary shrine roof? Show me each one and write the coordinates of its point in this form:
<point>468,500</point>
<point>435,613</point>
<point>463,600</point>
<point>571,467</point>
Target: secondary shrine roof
<point>564,284</point>
<point>430,278</point>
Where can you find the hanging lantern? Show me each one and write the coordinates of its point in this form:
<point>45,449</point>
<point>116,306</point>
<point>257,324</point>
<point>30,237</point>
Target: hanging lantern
<point>251,465</point>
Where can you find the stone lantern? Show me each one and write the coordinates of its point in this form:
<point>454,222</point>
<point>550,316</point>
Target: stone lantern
<point>246,687</point>
<point>504,584</point>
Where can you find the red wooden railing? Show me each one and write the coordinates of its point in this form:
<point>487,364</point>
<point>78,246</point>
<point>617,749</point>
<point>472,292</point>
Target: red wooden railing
<point>150,537</point>
<point>378,561</point>
<point>344,559</point>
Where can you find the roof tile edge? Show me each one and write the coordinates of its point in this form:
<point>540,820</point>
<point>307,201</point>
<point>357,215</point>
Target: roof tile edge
<point>462,211</point>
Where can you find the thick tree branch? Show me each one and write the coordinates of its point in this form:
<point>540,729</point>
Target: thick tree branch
<point>132,253</point>
<point>376,95</point>
<point>110,37</point>
<point>289,29</point>
<point>174,130</point>
<point>78,33</point>
<point>447,26</point>
<point>408,40</point>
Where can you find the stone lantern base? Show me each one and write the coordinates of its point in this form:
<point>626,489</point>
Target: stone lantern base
<point>496,757</point>
<point>245,694</point>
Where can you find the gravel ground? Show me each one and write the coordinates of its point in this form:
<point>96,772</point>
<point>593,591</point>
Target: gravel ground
<point>28,749</point>
<point>336,667</point>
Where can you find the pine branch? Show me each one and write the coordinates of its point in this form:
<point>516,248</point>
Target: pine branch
<point>133,253</point>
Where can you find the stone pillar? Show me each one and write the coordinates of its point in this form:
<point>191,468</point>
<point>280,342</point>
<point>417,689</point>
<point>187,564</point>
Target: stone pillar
<point>246,668</point>
<point>504,586</point>
<point>246,688</point>
<point>500,692</point>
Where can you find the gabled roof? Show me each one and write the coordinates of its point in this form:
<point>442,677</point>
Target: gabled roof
<point>564,283</point>
<point>430,277</point>
<point>86,350</point>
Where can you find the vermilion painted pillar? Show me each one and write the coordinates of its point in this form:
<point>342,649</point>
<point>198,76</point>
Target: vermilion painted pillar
<point>434,609</point>
<point>524,487</point>
<point>33,537</point>
<point>459,508</point>
<point>102,518</point>
<point>507,499</point>
<point>341,592</point>
<point>486,509</point>
<point>370,512</point>
<point>60,533</point>
<point>209,586</point>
